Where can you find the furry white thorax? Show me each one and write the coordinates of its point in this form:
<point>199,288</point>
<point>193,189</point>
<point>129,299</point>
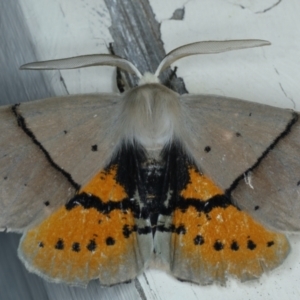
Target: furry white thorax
<point>150,114</point>
<point>148,78</point>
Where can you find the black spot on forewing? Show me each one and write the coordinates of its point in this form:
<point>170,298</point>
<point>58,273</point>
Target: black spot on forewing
<point>94,148</point>
<point>270,243</point>
<point>207,149</point>
<point>41,245</point>
<point>238,134</point>
<point>47,203</point>
<point>256,207</point>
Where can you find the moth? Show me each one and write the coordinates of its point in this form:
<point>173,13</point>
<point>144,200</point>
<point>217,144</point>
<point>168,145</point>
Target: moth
<point>101,185</point>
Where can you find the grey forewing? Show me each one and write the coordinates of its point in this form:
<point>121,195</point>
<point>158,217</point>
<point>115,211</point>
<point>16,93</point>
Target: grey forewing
<point>251,151</point>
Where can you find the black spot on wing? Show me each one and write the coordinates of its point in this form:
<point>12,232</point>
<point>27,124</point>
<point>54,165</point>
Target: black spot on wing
<point>92,245</point>
<point>94,148</point>
<point>199,240</point>
<point>218,245</point>
<point>234,246</point>
<point>76,247</point>
<point>59,244</point>
<point>207,149</point>
<point>47,203</point>
<point>251,245</point>
<point>110,241</point>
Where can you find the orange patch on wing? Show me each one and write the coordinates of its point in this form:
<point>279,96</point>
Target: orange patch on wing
<point>222,241</point>
<point>105,187</point>
<point>79,244</point>
<point>228,240</point>
<point>200,187</point>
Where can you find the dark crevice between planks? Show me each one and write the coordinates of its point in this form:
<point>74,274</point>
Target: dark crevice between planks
<point>136,35</point>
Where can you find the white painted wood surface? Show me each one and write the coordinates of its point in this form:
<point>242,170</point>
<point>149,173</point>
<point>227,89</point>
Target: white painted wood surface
<point>63,28</point>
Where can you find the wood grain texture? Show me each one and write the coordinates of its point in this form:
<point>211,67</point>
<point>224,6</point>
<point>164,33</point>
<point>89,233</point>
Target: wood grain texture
<point>135,21</point>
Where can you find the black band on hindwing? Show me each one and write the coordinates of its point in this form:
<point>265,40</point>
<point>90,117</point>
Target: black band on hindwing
<point>158,185</point>
<point>176,179</point>
<point>128,160</point>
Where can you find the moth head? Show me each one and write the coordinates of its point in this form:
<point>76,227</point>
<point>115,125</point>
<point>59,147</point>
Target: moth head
<point>148,78</point>
<point>207,47</point>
